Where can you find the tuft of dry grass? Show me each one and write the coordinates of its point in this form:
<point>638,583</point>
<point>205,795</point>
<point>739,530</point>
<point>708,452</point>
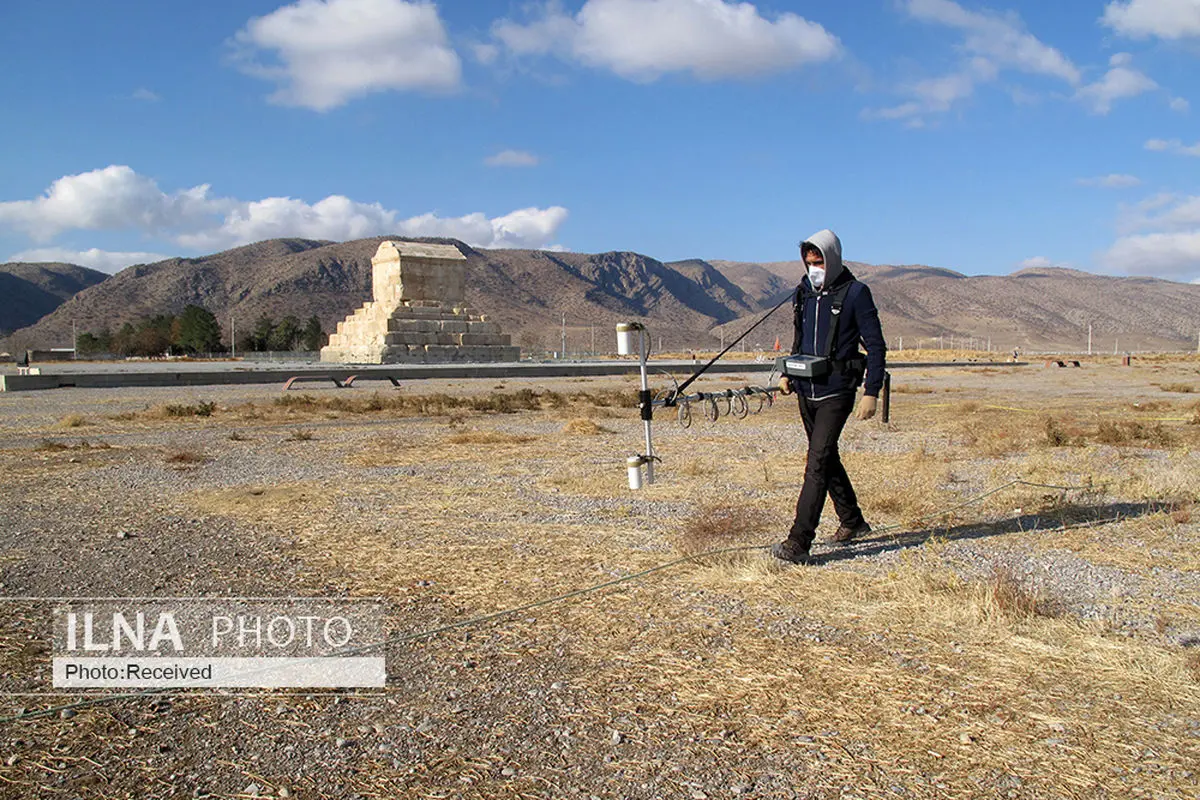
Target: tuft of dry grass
<point>713,527</point>
<point>1181,388</point>
<point>301,435</point>
<point>581,426</point>
<point>187,458</point>
<point>72,421</point>
<point>487,437</point>
<point>1130,431</point>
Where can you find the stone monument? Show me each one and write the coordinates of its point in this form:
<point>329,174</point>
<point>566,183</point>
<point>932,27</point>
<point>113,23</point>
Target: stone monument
<point>419,313</point>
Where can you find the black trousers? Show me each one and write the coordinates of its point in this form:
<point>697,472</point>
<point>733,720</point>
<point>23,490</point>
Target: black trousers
<point>824,473</point>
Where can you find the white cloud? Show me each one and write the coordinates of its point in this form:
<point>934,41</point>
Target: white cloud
<point>1120,82</point>
<point>1001,39</point>
<point>512,158</point>
<point>331,51</point>
<point>1166,19</point>
<point>1180,104</point>
<point>991,43</point>
<point>117,198</point>
<point>1036,262</point>
<point>146,95</point>
<point>340,218</point>
<point>103,260</point>
<point>1113,181</point>
<point>1174,146</point>
<point>1169,255</point>
<point>1161,236</point>
<point>937,95</point>
<point>642,40</point>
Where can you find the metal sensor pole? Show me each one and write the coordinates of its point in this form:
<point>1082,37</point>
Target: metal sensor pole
<point>625,343</point>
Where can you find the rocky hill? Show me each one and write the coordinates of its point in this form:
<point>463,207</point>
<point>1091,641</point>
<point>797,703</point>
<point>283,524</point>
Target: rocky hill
<point>687,303</point>
<point>1042,308</point>
<point>29,292</point>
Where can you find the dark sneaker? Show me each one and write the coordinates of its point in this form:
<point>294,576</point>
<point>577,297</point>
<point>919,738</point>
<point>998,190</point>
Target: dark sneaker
<point>789,550</point>
<point>844,534</point>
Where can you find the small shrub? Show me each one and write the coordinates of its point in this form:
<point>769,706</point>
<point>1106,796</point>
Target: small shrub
<point>72,421</point>
<point>301,435</point>
<point>50,446</point>
<point>187,458</point>
<point>238,436</point>
<point>717,527</point>
<point>1057,435</point>
<point>1181,388</point>
<point>202,409</point>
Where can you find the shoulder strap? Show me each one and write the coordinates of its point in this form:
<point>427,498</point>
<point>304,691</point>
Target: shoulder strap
<point>839,299</point>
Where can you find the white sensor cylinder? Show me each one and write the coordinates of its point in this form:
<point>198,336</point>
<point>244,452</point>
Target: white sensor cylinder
<point>627,338</point>
<point>634,467</point>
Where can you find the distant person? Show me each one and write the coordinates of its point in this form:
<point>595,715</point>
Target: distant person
<point>826,402</point>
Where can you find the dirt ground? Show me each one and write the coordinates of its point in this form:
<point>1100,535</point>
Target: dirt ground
<point>1023,622</point>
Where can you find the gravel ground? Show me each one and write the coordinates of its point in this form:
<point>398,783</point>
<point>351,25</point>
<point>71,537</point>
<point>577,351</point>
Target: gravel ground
<point>522,707</point>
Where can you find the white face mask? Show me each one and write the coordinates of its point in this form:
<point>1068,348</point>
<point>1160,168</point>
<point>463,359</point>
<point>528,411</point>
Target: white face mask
<point>816,276</point>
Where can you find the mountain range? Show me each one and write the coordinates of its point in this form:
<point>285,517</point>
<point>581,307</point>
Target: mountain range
<point>686,304</point>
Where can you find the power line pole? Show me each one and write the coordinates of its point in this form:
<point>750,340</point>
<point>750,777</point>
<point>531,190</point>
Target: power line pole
<point>232,338</point>
<point>74,342</point>
<point>1089,338</point>
<point>563,352</point>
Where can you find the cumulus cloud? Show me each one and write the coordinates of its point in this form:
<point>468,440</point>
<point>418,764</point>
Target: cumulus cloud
<point>1113,181</point>
<point>1120,82</point>
<point>1180,104</point>
<point>118,199</point>
<point>641,40</point>
<point>1173,255</point>
<point>1161,237</point>
<point>1166,19</point>
<point>115,197</point>
<point>146,95</point>
<point>103,260</point>
<point>341,218</point>
<point>324,53</point>
<point>1036,262</point>
<point>1174,146</point>
<point>512,158</point>
<point>1001,39</point>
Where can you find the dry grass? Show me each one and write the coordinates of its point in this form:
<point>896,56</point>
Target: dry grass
<point>716,527</point>
<point>581,426</point>
<point>905,671</point>
<point>72,421</point>
<point>487,437</point>
<point>1181,388</point>
<point>186,458</point>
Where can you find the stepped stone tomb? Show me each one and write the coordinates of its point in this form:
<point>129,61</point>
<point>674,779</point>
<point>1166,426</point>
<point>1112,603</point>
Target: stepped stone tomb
<point>419,313</point>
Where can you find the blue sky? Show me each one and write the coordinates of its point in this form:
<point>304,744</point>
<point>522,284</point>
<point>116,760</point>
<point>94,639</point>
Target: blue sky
<point>977,136</point>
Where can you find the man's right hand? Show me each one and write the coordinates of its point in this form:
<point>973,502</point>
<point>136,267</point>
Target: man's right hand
<point>785,385</point>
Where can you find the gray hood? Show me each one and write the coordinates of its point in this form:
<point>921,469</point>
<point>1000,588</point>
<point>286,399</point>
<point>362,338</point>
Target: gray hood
<point>831,248</point>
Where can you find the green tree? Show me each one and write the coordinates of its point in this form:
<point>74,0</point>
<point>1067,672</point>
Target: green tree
<point>263,330</point>
<point>286,333</point>
<point>314,337</point>
<point>197,331</point>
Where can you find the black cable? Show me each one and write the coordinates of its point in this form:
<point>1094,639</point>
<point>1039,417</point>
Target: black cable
<point>717,357</point>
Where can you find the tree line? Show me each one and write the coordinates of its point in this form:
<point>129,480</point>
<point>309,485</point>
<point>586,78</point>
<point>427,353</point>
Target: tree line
<point>196,330</point>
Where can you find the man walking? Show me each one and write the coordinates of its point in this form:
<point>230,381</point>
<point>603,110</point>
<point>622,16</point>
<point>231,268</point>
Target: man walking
<point>833,312</point>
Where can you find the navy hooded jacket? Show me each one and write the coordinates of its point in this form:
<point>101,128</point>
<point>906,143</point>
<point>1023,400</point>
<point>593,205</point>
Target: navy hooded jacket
<point>859,322</point>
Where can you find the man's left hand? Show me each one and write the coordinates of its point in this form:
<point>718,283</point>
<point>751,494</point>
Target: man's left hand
<point>866,406</point>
